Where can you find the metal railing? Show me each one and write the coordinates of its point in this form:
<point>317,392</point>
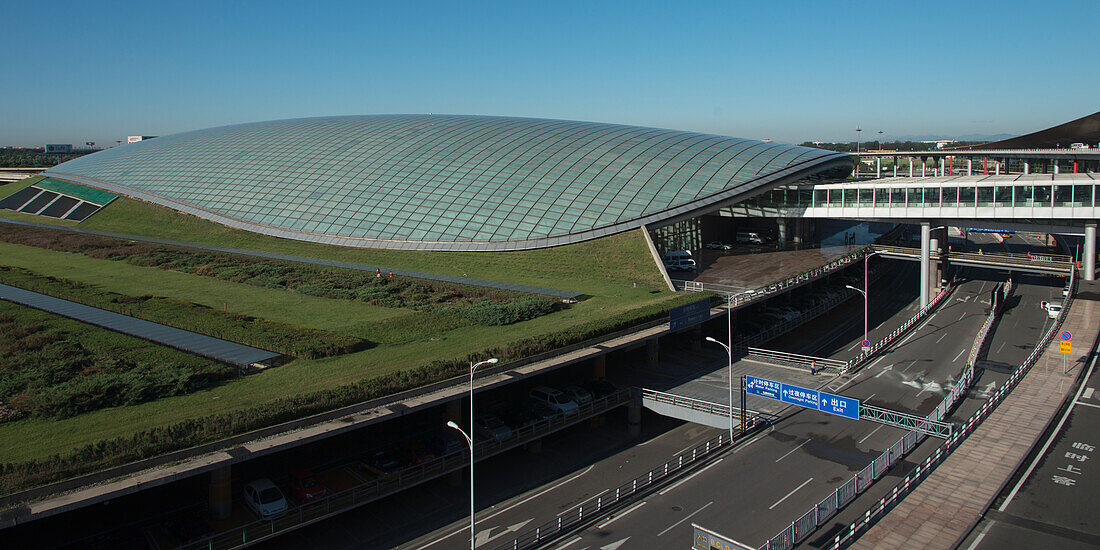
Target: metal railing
<point>932,423</point>
<point>613,499</point>
<point>793,359</point>
<point>913,478</point>
<point>743,344</point>
<point>699,405</point>
<point>1050,261</point>
<point>336,503</point>
<point>863,356</point>
<point>738,296</point>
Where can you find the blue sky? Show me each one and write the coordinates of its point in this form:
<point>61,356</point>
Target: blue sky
<point>790,71</point>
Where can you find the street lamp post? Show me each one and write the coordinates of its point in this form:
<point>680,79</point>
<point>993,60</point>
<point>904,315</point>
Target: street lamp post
<point>864,291</point>
<point>470,440</point>
<point>729,353</point>
<point>858,130</point>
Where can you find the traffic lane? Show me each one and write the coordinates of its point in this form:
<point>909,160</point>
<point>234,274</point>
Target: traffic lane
<point>792,457</point>
<point>542,503</point>
<point>1056,494</point>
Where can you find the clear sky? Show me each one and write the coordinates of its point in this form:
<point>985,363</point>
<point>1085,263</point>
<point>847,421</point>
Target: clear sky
<point>791,71</point>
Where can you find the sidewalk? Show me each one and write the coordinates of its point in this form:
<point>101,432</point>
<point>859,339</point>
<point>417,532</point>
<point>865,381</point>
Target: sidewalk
<point>940,510</point>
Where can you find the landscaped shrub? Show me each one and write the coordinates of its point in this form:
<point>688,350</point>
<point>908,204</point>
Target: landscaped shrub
<point>55,367</point>
<point>506,313</point>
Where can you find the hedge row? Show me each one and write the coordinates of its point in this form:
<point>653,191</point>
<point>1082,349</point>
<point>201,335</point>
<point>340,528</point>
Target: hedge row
<point>54,367</point>
<point>261,333</point>
<point>104,454</point>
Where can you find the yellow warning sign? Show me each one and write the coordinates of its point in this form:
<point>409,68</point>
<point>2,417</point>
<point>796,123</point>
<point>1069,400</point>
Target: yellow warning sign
<point>1065,347</point>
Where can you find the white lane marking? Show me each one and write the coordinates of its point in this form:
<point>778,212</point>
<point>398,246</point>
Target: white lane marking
<point>570,543</point>
<point>502,510</point>
<point>1002,346</point>
<point>868,436</point>
<point>942,336</point>
<point>1042,452</point>
<point>615,545</point>
<point>876,361</point>
<point>750,442</point>
<point>868,398</point>
<point>959,355</point>
<point>682,481</point>
<point>1088,393</point>
<point>885,369</point>
<point>906,369</point>
<point>854,345</point>
<point>790,493</point>
<point>978,539</point>
<point>622,515</point>
<point>687,517</point>
<point>1088,404</point>
<point>792,450</point>
<point>961,316</point>
<point>483,536</point>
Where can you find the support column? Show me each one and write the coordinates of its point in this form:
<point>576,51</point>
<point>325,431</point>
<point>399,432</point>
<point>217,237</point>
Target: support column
<point>922,165</point>
<point>878,167</point>
<point>969,166</point>
<point>1090,251</point>
<point>651,357</point>
<point>1027,167</point>
<point>599,367</point>
<point>933,266</point>
<point>997,167</point>
<point>782,224</point>
<point>925,246</point>
<point>910,166</point>
<point>1054,162</point>
<point>221,492</point>
<point>894,160</point>
<point>799,232</point>
<point>634,419</point>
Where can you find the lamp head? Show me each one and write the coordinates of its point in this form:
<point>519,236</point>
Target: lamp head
<point>709,339</point>
<point>451,424</point>
<point>851,287</point>
<point>491,361</point>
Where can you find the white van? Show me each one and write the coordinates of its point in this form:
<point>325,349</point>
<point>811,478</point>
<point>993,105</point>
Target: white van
<point>749,237</point>
<point>679,260</point>
<point>556,399</point>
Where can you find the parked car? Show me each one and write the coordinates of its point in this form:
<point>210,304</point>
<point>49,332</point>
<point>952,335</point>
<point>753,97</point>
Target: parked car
<point>380,463</point>
<point>602,388</point>
<point>305,486</point>
<point>749,237</point>
<point>444,443</point>
<point>556,399</point>
<point>265,499</point>
<point>578,394</point>
<point>416,453</point>
<point>490,427</point>
<point>719,245</point>
<point>538,410</point>
<point>188,527</point>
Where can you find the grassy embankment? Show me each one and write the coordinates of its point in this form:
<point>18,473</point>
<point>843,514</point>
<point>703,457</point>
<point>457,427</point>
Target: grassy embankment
<point>606,270</point>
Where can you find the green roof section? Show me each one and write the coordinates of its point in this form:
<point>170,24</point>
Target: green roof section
<point>77,191</point>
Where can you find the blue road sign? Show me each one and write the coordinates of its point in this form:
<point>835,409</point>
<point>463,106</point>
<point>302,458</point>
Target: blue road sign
<point>1066,335</point>
<point>763,387</point>
<point>804,397</point>
<point>688,315</point>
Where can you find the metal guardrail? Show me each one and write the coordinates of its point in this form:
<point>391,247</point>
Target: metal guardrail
<point>743,345</point>
<point>612,499</point>
<point>794,359</point>
<point>338,503</point>
<point>863,356</point>
<point>1057,262</point>
<point>933,422</point>
<point>913,478</point>
<point>699,405</point>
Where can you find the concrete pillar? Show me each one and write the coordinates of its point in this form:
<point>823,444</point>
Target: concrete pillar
<point>895,161</point>
<point>651,357</point>
<point>922,165</point>
<point>996,167</point>
<point>934,266</point>
<point>782,225</point>
<point>1027,167</point>
<point>634,419</point>
<point>221,492</point>
<point>599,367</point>
<point>799,230</point>
<point>942,167</point>
<point>970,167</point>
<point>910,166</point>
<point>878,167</point>
<point>1090,251</point>
<point>925,247</point>
<point>1054,163</point>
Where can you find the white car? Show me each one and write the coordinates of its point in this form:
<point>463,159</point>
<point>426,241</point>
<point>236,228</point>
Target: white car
<point>265,499</point>
<point>556,399</point>
<point>719,245</point>
<point>1052,309</point>
<point>491,427</point>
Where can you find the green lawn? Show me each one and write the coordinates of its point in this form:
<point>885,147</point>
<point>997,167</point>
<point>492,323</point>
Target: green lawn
<point>617,274</point>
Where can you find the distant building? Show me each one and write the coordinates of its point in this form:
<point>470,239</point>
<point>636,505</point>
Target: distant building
<point>59,148</point>
<point>135,139</point>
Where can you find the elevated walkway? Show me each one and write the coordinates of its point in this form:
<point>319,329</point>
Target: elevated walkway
<point>1052,264</point>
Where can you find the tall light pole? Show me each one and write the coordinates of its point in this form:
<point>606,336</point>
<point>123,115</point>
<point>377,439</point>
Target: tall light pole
<point>864,291</point>
<point>470,441</point>
<point>729,353</point>
<point>858,130</point>
<point>880,140</point>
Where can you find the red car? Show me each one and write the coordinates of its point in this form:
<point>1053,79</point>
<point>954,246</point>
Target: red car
<point>305,486</point>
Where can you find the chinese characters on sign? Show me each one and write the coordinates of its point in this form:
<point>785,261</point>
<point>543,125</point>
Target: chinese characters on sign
<point>813,399</point>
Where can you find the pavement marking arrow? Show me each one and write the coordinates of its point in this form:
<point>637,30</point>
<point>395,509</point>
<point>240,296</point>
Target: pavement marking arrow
<point>615,545</point>
<point>484,538</point>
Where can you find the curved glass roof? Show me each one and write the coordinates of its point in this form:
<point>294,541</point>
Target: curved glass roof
<point>443,181</point>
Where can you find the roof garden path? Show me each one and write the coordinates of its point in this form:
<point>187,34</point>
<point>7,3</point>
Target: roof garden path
<point>200,344</point>
<point>565,294</point>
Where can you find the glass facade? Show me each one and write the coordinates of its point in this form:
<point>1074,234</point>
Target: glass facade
<point>437,178</point>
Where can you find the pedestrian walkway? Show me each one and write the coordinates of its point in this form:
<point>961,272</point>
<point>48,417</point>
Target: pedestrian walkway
<point>200,344</point>
<point>566,294</point>
<point>944,506</point>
